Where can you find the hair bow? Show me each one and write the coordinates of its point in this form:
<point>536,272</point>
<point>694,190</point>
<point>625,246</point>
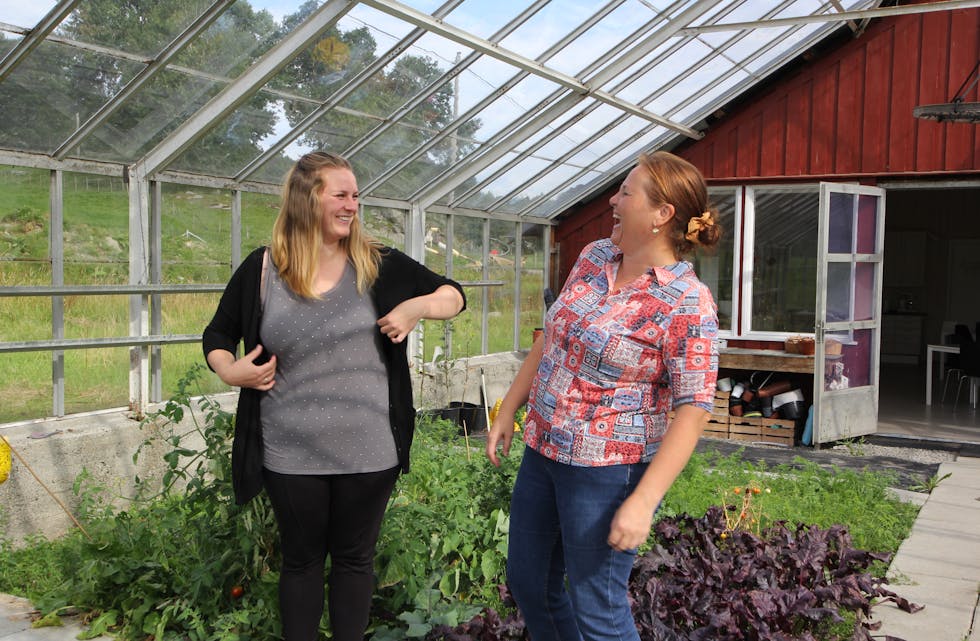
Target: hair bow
<point>696,224</point>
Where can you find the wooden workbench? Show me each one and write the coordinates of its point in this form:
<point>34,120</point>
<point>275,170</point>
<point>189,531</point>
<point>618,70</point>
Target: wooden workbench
<point>767,360</point>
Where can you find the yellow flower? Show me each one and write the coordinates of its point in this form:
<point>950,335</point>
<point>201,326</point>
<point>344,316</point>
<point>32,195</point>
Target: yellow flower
<point>495,410</point>
<point>5,460</point>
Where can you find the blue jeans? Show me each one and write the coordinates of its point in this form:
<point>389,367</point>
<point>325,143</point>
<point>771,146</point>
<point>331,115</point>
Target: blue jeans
<point>559,525</point>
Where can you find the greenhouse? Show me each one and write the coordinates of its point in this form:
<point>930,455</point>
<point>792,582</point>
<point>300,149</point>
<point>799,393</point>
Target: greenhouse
<point>143,145</point>
<point>145,149</point>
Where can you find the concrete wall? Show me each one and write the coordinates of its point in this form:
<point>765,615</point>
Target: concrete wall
<point>103,443</point>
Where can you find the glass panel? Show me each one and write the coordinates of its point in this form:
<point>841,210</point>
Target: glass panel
<point>259,212</point>
<point>61,87</point>
<point>715,269</point>
<point>483,198</point>
<point>509,181</point>
<point>25,14</point>
<point>867,240</point>
<point>177,360</point>
<point>195,234</point>
<point>668,71</point>
<point>864,290</point>
<point>334,131</point>
<point>434,332</point>
<point>109,366</point>
<point>386,224</point>
<point>388,90</point>
<point>96,232</point>
<point>840,224</point>
<point>704,102</point>
<point>624,133</point>
<point>482,18</point>
<point>248,131</point>
<point>25,378</point>
<point>513,105</point>
<point>784,265</point>
<point>135,27</point>
<point>553,179</point>
<point>598,117</point>
<point>24,218</point>
<point>340,53</point>
<point>839,292</point>
<point>582,185</point>
<point>239,37</point>
<point>702,75</point>
<point>394,145</point>
<point>533,259</point>
<point>544,29</point>
<point>848,359</point>
<point>415,176</point>
<point>480,79</point>
<point>502,267</point>
<point>150,115</point>
<point>468,255</point>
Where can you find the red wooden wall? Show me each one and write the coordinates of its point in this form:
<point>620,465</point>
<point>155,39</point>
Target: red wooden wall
<point>845,115</point>
<point>849,114</point>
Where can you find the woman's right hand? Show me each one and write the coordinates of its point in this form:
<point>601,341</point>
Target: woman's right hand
<point>243,372</point>
<point>501,433</point>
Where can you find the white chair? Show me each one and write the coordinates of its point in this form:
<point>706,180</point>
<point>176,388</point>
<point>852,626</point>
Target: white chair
<point>948,337</point>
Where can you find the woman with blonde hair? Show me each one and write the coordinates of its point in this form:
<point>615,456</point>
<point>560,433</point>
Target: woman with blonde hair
<point>325,417</point>
<point>630,338</point>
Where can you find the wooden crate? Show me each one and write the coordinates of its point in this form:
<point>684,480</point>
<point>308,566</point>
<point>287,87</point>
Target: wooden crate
<point>767,430</point>
<point>720,403</point>
<point>717,427</point>
<point>779,434</point>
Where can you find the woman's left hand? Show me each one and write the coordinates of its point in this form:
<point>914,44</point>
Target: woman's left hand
<point>631,524</point>
<point>402,319</point>
<point>441,304</point>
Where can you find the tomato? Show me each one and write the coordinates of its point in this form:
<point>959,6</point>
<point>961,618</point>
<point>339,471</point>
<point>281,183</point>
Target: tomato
<point>237,592</point>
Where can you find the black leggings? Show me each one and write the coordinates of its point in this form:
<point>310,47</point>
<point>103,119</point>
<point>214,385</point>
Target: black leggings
<point>339,515</point>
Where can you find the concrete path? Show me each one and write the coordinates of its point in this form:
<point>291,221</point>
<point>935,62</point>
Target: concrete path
<point>937,566</point>
<point>15,623</point>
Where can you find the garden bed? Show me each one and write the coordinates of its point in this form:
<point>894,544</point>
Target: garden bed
<point>188,563</point>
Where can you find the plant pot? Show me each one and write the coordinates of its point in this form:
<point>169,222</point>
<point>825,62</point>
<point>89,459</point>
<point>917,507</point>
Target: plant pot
<point>472,415</point>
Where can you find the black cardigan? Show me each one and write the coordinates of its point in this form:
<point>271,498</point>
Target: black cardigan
<point>238,318</point>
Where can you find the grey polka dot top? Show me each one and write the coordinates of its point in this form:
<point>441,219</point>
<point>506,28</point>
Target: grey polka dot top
<point>328,411</point>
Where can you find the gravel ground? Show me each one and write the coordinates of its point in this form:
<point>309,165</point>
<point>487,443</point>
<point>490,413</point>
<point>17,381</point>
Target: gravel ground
<point>917,454</point>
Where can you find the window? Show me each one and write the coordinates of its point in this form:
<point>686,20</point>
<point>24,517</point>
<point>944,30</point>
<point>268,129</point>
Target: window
<point>716,269</point>
<point>780,260</point>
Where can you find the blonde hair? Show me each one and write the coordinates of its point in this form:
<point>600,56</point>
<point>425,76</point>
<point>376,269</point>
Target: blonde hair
<point>674,181</point>
<point>297,233</point>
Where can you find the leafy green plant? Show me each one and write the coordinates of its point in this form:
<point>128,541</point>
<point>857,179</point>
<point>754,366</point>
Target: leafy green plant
<point>855,446</point>
<point>168,563</point>
<point>443,543</point>
<point>931,483</point>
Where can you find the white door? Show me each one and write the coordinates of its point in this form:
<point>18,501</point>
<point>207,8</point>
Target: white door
<point>848,319</point>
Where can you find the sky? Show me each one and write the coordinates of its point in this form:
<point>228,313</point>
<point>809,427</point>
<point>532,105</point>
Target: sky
<point>24,14</point>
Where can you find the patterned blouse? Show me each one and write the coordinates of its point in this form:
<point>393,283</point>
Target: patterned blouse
<point>614,363</point>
